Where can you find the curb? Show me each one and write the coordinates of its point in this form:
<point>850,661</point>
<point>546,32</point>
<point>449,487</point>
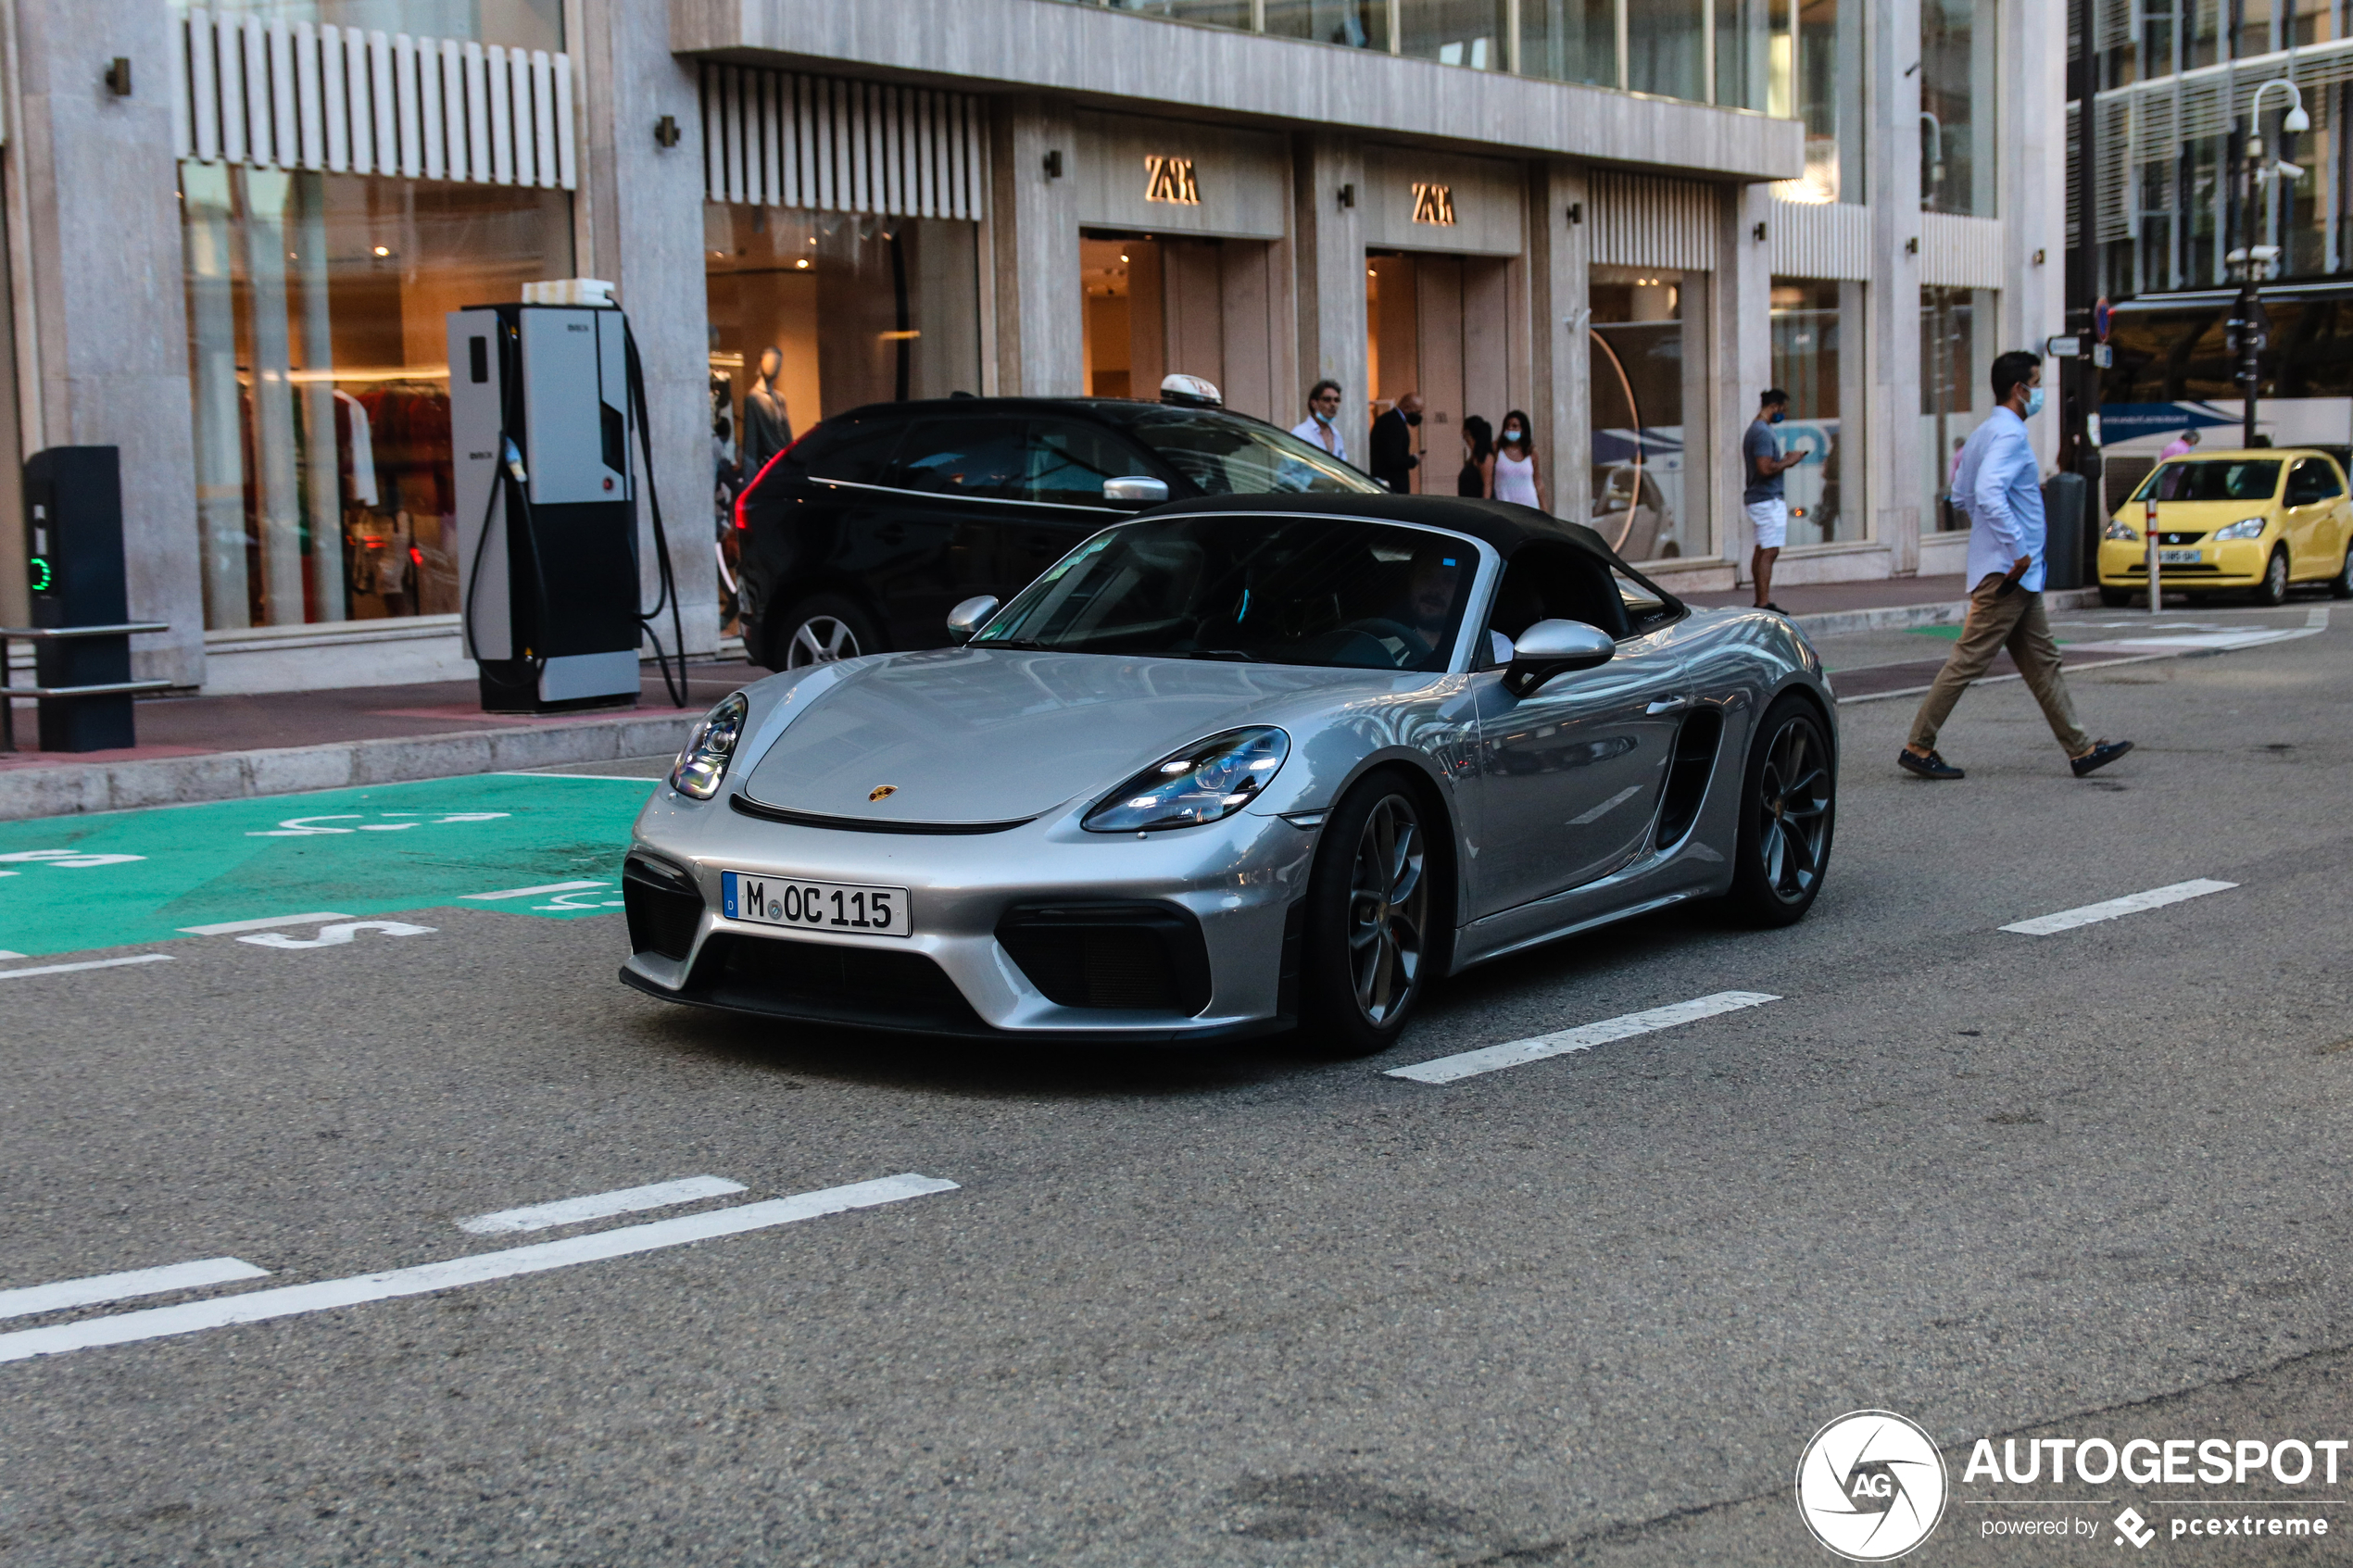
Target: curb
<point>77,789</point>
<point>1899,618</point>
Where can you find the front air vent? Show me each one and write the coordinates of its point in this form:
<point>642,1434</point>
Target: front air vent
<point>1141,956</point>
<point>664,907</point>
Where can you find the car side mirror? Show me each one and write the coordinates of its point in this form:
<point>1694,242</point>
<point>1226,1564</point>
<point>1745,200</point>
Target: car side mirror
<point>1555,647</point>
<point>1135,491</point>
<point>970,616</point>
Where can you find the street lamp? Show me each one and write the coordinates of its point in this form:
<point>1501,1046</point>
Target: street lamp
<point>2247,328</point>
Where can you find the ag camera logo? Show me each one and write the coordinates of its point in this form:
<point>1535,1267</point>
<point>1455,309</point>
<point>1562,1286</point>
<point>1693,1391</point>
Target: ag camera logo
<point>1870,1485</point>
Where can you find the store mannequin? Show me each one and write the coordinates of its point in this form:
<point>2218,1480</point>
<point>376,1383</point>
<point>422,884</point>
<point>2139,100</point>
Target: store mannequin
<point>767,426</point>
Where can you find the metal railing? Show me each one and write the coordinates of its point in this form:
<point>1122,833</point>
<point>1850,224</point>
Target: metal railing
<point>8,694</point>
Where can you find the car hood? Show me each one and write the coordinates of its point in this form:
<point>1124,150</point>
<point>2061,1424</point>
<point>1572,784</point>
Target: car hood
<point>956,736</point>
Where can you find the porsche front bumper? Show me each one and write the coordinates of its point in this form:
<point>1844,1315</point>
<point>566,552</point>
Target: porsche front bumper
<point>1185,934</point>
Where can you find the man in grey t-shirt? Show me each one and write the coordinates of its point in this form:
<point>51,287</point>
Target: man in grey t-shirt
<point>1762,466</point>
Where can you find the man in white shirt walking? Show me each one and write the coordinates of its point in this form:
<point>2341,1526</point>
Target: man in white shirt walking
<point>1998,485</point>
<point>1321,424</point>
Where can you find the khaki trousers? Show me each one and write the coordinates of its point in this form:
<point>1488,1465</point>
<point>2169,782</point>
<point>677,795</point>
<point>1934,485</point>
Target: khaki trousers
<point>2014,621</point>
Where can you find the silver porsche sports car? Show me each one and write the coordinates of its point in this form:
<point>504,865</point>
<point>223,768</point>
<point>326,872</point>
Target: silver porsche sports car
<point>1236,766</point>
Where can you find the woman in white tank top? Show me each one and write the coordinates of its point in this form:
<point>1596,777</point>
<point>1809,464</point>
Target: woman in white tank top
<point>1511,472</point>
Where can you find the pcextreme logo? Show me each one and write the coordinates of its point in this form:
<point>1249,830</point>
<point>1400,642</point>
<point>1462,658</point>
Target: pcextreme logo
<point>1870,1485</point>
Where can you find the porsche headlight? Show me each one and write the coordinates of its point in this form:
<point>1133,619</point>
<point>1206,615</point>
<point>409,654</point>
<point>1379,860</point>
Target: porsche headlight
<point>1208,780</point>
<point>704,762</point>
<point>2245,528</point>
<point>2120,528</point>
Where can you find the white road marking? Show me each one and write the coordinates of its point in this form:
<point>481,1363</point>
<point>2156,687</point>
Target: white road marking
<point>4,954</point>
<point>92,963</point>
<point>534,892</point>
<point>596,1206</point>
<point>1584,1037</point>
<point>115,1287</point>
<point>260,1306</point>
<point>1606,807</point>
<point>2131,904</point>
<point>230,927</point>
<point>337,935</point>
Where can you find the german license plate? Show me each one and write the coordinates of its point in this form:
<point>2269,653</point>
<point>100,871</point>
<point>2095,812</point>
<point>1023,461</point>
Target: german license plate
<point>2177,557</point>
<point>814,906</point>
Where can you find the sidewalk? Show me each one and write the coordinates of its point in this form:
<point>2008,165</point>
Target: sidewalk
<point>230,747</point>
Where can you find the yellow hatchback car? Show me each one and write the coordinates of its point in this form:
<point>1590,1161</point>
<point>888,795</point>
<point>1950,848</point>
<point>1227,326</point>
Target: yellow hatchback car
<point>2252,520</point>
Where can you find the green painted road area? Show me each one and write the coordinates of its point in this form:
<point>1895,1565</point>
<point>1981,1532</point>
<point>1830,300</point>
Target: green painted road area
<point>545,845</point>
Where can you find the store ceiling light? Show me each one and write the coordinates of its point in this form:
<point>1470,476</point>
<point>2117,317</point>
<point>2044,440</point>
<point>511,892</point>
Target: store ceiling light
<point>802,262</point>
<point>384,250</point>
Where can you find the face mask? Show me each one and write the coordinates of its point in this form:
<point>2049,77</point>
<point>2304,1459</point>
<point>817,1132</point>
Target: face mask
<point>1511,432</point>
<point>1321,418</point>
<point>2034,402</point>
<point>1776,417</point>
<point>1413,418</point>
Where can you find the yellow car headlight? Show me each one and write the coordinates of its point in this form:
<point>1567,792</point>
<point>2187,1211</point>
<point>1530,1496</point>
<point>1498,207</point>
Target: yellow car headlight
<point>2245,528</point>
<point>2120,528</point>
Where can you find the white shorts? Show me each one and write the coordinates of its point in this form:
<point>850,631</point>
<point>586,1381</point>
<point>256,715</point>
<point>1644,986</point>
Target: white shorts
<point>1770,520</point>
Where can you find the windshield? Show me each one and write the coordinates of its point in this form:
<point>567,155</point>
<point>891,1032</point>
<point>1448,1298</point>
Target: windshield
<point>1225,455</point>
<point>2213,479</point>
<point>1264,590</point>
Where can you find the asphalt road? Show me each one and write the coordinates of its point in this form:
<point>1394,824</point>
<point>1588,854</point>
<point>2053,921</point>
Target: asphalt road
<point>1243,1308</point>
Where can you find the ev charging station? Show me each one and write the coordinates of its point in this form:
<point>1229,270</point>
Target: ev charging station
<point>542,417</point>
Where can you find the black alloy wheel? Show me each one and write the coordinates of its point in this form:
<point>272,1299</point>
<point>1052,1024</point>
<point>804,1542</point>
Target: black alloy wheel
<point>1788,808</point>
<point>825,629</point>
<point>2273,590</point>
<point>1372,920</point>
<point>2341,585</point>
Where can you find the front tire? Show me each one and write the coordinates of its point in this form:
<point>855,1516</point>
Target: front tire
<point>2273,588</point>
<point>2116,598</point>
<point>2341,585</point>
<point>1789,806</point>
<point>1373,915</point>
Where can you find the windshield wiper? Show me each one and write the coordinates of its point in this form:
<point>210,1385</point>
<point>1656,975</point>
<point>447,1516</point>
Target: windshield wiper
<point>1027,644</point>
<point>1235,656</point>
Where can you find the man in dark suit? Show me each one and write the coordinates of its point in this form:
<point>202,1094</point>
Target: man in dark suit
<point>1393,459</point>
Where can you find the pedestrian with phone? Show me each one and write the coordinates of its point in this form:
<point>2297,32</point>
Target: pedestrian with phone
<point>1999,487</point>
<point>1762,497</point>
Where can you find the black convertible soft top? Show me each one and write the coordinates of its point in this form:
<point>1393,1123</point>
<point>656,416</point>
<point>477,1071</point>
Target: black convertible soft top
<point>1504,524</point>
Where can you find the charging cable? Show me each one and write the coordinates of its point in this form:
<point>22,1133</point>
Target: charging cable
<point>651,619</point>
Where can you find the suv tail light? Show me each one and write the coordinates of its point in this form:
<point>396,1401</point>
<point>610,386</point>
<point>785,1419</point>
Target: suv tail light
<point>745,493</point>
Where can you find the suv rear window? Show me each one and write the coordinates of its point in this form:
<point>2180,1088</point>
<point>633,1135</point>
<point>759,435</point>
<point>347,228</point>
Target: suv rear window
<point>985,455</point>
<point>850,451</point>
<point>1225,455</point>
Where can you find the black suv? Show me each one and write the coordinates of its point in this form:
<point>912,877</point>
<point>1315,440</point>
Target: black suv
<point>866,532</point>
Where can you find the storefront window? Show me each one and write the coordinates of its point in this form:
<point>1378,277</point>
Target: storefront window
<point>813,313</point>
<point>1356,24</point>
<point>1455,32</point>
<point>1809,363</point>
<point>518,24</point>
<point>318,350</point>
<point>1959,107</point>
<point>1817,77</point>
<point>1647,366</point>
<point>1957,367</point>
<point>1569,41</point>
<point>1666,48</point>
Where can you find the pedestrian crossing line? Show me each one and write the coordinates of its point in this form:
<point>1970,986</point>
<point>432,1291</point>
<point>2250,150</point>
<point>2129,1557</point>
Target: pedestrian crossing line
<point>2110,909</point>
<point>598,1205</point>
<point>90,1292</point>
<point>1584,1037</point>
<point>260,1306</point>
